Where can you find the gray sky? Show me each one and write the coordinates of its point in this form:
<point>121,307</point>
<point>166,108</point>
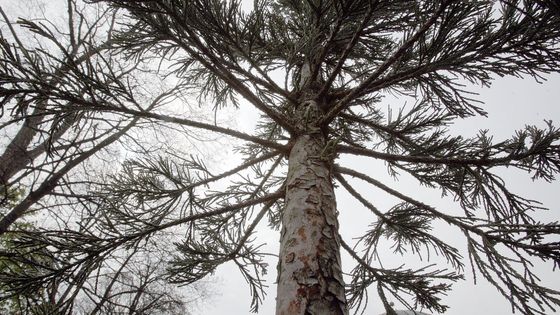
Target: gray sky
<point>511,104</point>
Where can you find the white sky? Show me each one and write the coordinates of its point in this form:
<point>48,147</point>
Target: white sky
<point>511,104</point>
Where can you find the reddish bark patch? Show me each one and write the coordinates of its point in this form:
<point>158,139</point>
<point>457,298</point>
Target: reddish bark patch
<point>294,307</point>
<point>301,233</point>
<point>305,260</point>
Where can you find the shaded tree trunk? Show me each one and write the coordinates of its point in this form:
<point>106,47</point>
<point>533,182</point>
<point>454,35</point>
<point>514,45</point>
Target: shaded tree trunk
<point>310,276</point>
<point>19,154</point>
<point>16,156</point>
<point>49,184</point>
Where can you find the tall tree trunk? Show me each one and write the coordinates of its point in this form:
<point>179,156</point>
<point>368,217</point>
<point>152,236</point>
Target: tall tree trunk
<point>310,276</point>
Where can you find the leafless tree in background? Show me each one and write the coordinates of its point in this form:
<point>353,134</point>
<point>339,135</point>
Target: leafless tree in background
<point>54,154</point>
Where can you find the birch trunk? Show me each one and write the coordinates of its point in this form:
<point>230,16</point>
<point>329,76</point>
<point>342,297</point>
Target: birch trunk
<point>310,276</point>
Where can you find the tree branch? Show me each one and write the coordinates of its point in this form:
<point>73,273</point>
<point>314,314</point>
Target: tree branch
<point>343,103</point>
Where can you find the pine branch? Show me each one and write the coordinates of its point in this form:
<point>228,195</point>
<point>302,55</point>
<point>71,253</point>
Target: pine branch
<point>500,265</point>
<point>342,104</point>
<point>407,225</point>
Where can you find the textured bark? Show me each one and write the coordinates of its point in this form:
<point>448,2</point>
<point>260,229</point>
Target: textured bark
<point>310,276</point>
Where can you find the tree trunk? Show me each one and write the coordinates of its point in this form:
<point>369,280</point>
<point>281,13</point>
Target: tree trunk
<point>15,157</point>
<point>310,276</point>
<point>18,154</point>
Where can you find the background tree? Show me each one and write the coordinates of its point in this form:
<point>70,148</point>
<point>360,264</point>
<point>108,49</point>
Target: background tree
<point>19,304</point>
<point>317,71</point>
<point>53,152</point>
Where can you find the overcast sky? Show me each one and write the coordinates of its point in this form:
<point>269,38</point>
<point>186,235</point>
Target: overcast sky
<point>511,103</point>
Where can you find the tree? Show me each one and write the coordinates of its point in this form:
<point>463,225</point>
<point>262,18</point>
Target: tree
<point>49,151</point>
<point>317,72</point>
<point>18,304</point>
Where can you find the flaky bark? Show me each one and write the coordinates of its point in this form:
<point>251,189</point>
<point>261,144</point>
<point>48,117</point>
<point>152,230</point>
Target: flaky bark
<point>310,277</point>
